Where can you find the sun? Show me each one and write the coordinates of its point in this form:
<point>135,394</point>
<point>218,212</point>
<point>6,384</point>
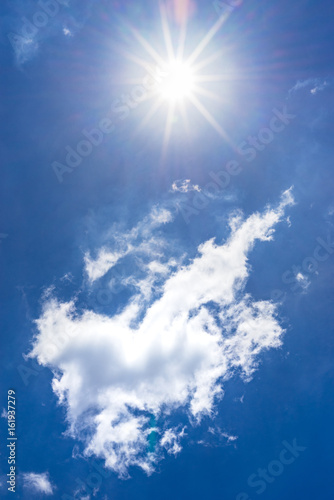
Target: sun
<point>178,81</point>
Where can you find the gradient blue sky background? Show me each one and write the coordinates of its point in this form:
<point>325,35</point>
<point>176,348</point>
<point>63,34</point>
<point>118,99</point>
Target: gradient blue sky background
<point>66,78</point>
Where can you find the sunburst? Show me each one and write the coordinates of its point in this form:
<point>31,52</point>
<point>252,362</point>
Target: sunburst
<point>180,80</point>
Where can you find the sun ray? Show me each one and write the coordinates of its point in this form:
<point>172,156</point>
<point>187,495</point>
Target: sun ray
<point>205,62</point>
<point>149,49</point>
<point>210,119</point>
<point>182,39</point>
<point>166,33</point>
<point>143,63</point>
<point>211,78</point>
<point>207,93</point>
<point>208,37</point>
<point>168,129</point>
<point>178,80</point>
<point>183,112</point>
<point>149,115</point>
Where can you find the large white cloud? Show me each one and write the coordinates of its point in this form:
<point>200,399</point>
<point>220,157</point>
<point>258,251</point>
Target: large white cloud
<point>171,352</point>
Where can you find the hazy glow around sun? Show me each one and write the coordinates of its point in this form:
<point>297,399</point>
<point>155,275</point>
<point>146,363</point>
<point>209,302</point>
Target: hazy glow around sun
<point>177,81</point>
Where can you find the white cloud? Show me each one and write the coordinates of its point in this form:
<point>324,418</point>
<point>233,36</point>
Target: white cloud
<point>67,32</point>
<point>100,266</point>
<point>162,216</point>
<point>4,413</point>
<point>127,243</point>
<point>303,281</point>
<point>38,483</point>
<point>68,277</point>
<point>218,433</point>
<point>24,48</point>
<point>174,351</point>
<point>316,84</point>
<point>171,440</point>
<point>184,186</point>
<point>318,87</point>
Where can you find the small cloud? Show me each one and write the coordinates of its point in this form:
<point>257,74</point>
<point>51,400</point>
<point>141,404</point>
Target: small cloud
<point>67,277</point>
<point>303,281</point>
<point>316,84</point>
<point>319,87</point>
<point>76,453</point>
<point>4,413</point>
<point>67,32</point>
<point>24,48</point>
<point>221,434</point>
<point>38,483</point>
<point>229,437</point>
<point>184,186</point>
<point>171,441</point>
<point>301,84</point>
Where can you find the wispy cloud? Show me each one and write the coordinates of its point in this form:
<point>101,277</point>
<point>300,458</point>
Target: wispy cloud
<point>67,32</point>
<point>184,186</point>
<point>316,84</point>
<point>35,23</point>
<point>222,435</point>
<point>24,48</point>
<point>126,243</point>
<point>97,268</point>
<point>170,440</point>
<point>174,351</point>
<point>318,87</point>
<point>303,281</point>
<point>38,483</point>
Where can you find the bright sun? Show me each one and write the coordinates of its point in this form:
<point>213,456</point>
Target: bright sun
<point>180,80</point>
<point>177,81</point>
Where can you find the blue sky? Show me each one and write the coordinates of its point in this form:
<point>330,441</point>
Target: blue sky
<point>167,262</point>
